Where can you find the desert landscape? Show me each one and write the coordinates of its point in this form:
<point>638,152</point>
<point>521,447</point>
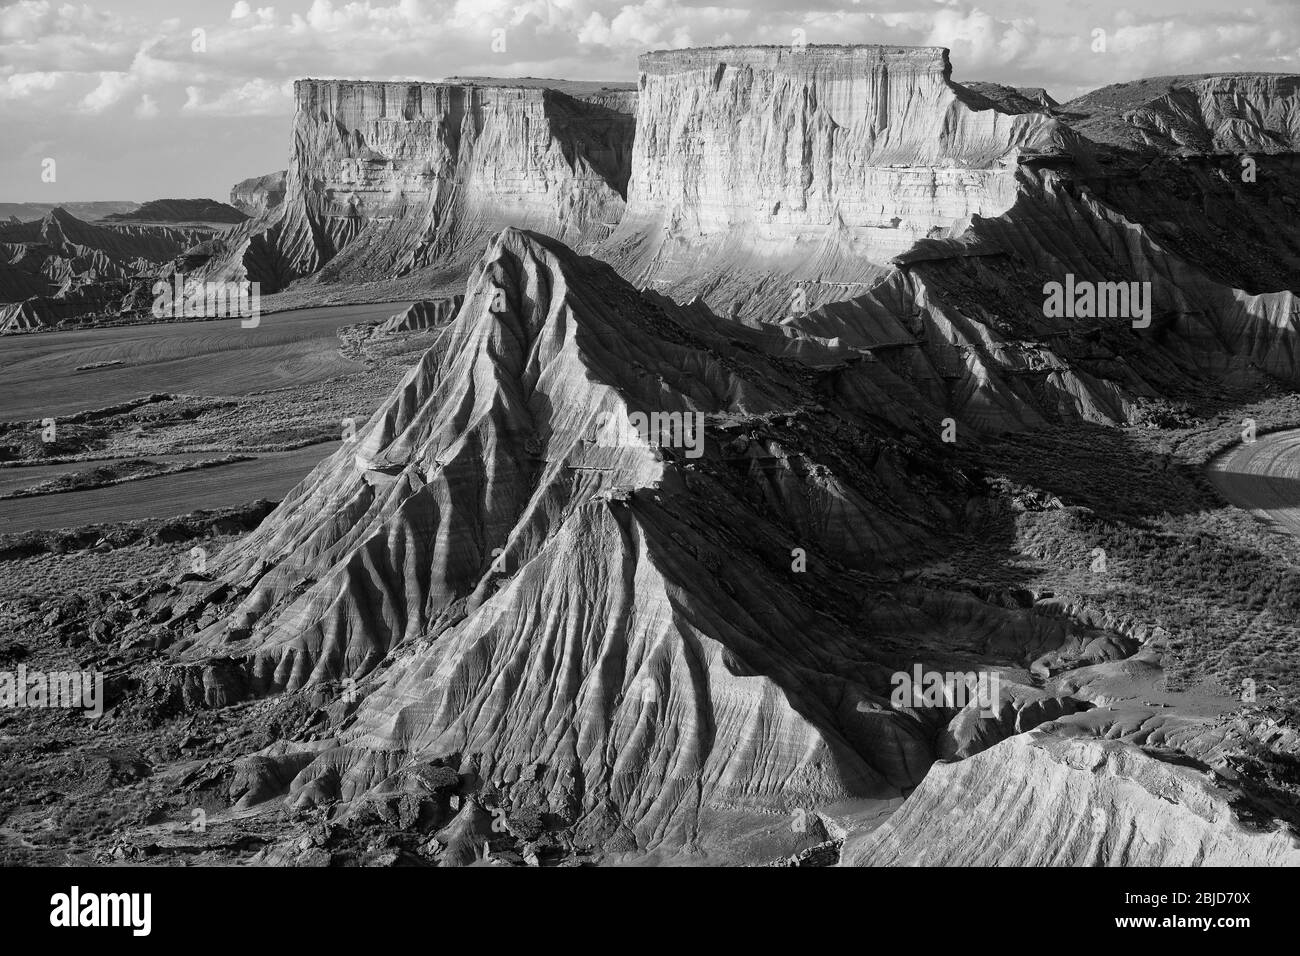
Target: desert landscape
<point>780,455</point>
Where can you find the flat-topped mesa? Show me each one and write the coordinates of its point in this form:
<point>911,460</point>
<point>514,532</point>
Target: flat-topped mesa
<point>389,177</point>
<point>810,160</point>
<point>458,162</point>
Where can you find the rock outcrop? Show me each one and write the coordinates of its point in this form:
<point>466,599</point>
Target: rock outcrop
<point>62,268</point>
<point>766,166</point>
<point>1026,99</point>
<point>387,178</point>
<point>422,315</point>
<point>675,640</point>
<point>1220,113</point>
<point>259,194</point>
<point>1040,799</point>
<point>620,616</point>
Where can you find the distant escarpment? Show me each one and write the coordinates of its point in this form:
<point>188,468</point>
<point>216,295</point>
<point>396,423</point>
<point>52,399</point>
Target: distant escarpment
<point>60,268</point>
<point>387,178</point>
<point>259,194</point>
<point>1025,99</point>
<point>732,173</point>
<point>181,211</point>
<point>1217,113</point>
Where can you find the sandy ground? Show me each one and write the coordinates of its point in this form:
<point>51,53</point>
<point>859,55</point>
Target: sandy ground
<point>1263,477</point>
<point>269,476</point>
<point>39,377</point>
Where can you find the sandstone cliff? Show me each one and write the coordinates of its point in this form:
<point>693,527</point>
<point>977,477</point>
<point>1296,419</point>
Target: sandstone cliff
<point>763,166</point>
<point>386,178</point>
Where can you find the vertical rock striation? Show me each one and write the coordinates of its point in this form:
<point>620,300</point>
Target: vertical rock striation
<point>386,178</point>
<point>820,164</point>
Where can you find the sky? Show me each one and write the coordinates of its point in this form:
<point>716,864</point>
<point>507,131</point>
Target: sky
<point>151,99</point>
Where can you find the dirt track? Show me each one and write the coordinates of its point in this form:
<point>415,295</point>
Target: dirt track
<point>1263,477</point>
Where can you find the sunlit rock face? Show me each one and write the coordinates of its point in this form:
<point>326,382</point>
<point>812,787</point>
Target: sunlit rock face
<point>259,194</point>
<point>1051,799</point>
<point>823,163</point>
<point>386,178</point>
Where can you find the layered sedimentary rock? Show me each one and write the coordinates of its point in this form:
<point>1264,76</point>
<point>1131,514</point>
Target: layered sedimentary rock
<point>1241,112</point>
<point>963,320</point>
<point>762,165</point>
<point>425,314</point>
<point>1026,99</point>
<point>623,624</point>
<point>675,646</point>
<point>386,178</point>
<point>620,97</point>
<point>259,194</point>
<point>1046,800</point>
<point>61,268</point>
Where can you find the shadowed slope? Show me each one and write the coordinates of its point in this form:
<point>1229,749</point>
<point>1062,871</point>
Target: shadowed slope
<point>627,620</point>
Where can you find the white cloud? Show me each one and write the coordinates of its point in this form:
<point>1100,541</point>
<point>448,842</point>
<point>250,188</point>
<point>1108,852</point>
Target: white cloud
<point>253,98</point>
<point>112,87</point>
<point>147,108</point>
<point>23,86</point>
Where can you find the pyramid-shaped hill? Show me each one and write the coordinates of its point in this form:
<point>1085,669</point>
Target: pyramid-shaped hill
<point>656,631</point>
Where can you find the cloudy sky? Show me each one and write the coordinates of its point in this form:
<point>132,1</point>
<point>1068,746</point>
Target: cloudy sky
<point>133,104</point>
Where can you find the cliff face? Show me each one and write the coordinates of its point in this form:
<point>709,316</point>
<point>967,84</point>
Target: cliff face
<point>259,194</point>
<point>390,177</point>
<point>823,163</point>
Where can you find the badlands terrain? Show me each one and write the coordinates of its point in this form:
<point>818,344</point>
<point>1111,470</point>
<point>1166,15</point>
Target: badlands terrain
<point>368,584</point>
